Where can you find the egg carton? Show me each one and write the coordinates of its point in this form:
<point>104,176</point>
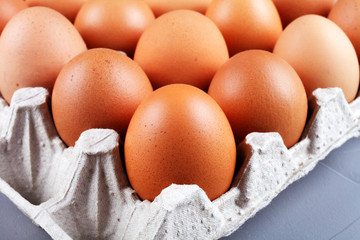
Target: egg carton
<point>82,192</point>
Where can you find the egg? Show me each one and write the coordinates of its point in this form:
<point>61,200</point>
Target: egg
<point>34,46</point>
<point>113,24</point>
<point>261,92</point>
<point>346,14</point>
<point>8,8</point>
<point>321,53</point>
<point>179,135</point>
<point>246,24</point>
<point>181,46</point>
<point>69,8</point>
<point>289,10</point>
<point>100,88</point>
<point>163,6</point>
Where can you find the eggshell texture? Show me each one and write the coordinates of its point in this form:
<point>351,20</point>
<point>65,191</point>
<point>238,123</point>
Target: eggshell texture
<point>346,14</point>
<point>181,46</point>
<point>179,135</point>
<point>113,24</point>
<point>100,88</point>
<point>260,92</point>
<point>34,46</point>
<point>160,7</point>
<point>246,24</point>
<point>69,8</point>
<point>8,8</point>
<point>289,10</point>
<point>321,54</point>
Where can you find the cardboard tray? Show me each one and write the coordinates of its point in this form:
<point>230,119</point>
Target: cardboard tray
<point>82,192</point>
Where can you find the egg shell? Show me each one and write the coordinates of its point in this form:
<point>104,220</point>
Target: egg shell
<point>100,88</point>
<point>181,46</point>
<point>34,46</point>
<point>346,14</point>
<point>69,8</point>
<point>113,24</point>
<point>160,7</point>
<point>260,92</point>
<point>289,10</point>
<point>8,8</point>
<point>321,53</point>
<point>246,24</point>
<point>179,135</point>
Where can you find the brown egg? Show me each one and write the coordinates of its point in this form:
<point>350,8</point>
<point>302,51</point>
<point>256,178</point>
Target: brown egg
<point>346,14</point>
<point>114,24</point>
<point>181,46</point>
<point>321,53</point>
<point>8,8</point>
<point>34,46</point>
<point>69,8</point>
<point>289,10</point>
<point>179,135</point>
<point>100,88</point>
<point>260,92</point>
<point>246,24</point>
<point>160,7</point>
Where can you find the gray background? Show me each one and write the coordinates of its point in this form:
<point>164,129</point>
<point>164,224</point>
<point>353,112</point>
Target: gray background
<point>323,205</point>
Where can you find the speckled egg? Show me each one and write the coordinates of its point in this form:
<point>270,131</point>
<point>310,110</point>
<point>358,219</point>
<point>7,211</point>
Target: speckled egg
<point>181,46</point>
<point>34,46</point>
<point>261,92</point>
<point>100,88</point>
<point>180,135</point>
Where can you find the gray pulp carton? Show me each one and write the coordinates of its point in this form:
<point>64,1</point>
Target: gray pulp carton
<point>82,192</point>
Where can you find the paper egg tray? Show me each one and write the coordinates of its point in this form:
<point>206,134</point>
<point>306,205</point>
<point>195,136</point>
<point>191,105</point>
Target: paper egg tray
<point>82,192</point>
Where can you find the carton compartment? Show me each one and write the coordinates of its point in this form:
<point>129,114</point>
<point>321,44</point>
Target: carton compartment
<point>82,192</point>
<point>28,146</point>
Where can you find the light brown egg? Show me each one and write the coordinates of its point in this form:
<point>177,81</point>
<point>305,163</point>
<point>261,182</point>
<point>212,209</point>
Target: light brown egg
<point>100,88</point>
<point>246,24</point>
<point>160,7</point>
<point>114,24</point>
<point>346,14</point>
<point>289,10</point>
<point>8,8</point>
<point>34,46</point>
<point>321,53</point>
<point>179,135</point>
<point>260,92</point>
<point>181,46</point>
<point>69,8</point>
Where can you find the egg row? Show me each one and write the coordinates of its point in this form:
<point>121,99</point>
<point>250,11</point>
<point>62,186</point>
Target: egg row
<point>204,103</point>
<point>244,24</point>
